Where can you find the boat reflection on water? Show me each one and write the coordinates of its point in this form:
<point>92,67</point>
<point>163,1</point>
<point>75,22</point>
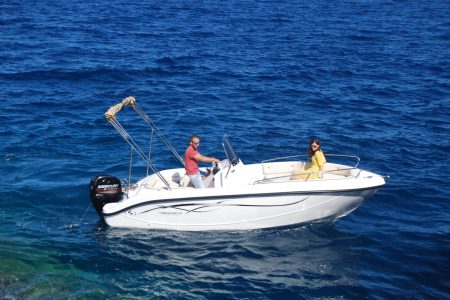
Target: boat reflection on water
<point>261,262</point>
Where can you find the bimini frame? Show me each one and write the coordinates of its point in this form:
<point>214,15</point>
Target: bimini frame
<point>111,117</point>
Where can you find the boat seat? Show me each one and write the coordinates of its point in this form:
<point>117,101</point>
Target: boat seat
<point>281,171</point>
<point>332,176</point>
<point>155,183</point>
<point>282,168</point>
<point>335,171</point>
<point>185,181</point>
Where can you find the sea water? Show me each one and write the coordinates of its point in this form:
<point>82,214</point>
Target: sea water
<point>369,78</point>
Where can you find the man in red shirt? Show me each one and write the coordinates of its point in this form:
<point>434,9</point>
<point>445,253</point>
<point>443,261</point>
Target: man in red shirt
<point>191,159</point>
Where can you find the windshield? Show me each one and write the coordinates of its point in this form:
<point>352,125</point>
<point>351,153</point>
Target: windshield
<point>232,157</point>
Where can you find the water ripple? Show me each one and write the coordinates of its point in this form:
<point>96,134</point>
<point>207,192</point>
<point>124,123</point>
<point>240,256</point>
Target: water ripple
<point>367,79</point>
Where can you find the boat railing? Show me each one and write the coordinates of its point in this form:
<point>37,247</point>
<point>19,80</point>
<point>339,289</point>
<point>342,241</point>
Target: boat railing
<point>309,175</point>
<point>111,117</point>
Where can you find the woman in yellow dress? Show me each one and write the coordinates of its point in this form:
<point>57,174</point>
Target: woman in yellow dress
<point>318,161</point>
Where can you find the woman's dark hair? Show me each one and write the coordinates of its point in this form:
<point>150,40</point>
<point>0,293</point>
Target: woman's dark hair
<point>310,150</point>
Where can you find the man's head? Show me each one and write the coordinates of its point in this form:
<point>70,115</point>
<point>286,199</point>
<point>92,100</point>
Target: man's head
<point>194,141</point>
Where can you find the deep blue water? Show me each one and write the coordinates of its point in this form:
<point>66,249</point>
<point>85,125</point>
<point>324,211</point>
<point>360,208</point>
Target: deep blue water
<point>369,78</point>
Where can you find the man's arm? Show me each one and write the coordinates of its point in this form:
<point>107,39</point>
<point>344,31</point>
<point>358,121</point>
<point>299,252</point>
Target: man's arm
<point>206,159</point>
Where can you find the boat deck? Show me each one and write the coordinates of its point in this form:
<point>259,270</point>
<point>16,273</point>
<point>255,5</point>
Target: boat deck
<point>256,174</point>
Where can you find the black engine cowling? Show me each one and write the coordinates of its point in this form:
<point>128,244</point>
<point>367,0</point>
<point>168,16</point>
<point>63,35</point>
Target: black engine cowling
<point>104,189</point>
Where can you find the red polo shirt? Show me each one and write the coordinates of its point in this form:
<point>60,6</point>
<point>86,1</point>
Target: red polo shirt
<point>190,163</point>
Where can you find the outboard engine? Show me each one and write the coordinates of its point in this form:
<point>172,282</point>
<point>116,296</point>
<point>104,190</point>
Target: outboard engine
<point>104,189</point>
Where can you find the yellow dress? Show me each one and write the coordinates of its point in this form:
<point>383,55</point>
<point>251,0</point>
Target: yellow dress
<point>317,160</point>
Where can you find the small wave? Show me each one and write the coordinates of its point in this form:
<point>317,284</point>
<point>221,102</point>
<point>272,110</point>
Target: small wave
<point>362,38</point>
<point>8,157</point>
<point>89,74</point>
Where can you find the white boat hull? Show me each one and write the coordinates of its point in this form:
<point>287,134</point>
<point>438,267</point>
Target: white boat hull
<point>239,212</point>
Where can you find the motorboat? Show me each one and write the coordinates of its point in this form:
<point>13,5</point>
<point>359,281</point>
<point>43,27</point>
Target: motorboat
<point>236,196</point>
